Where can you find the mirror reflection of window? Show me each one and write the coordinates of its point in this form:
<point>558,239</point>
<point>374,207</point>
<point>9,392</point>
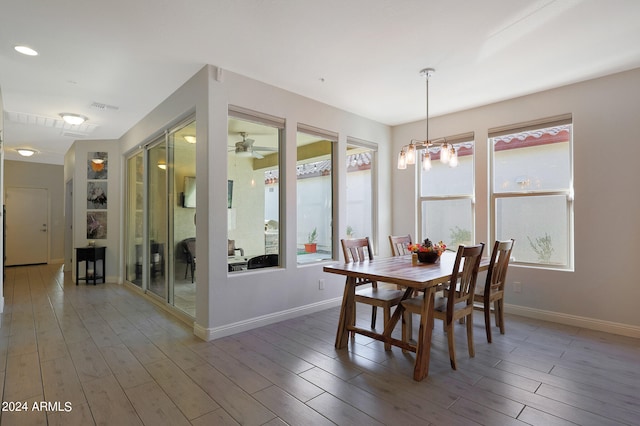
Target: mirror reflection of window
<point>314,177</point>
<point>189,192</point>
<point>253,214</point>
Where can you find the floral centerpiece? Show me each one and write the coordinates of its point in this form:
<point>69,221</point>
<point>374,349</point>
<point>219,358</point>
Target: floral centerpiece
<point>427,251</point>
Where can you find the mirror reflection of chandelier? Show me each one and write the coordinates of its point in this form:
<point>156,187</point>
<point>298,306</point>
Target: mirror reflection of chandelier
<point>422,150</point>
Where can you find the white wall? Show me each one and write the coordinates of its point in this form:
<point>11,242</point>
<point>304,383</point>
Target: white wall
<point>22,174</point>
<point>603,291</point>
<point>230,304</point>
<point>75,168</point>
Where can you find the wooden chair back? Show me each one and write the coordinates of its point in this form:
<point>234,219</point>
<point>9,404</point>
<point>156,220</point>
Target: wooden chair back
<point>497,272</point>
<point>399,244</point>
<point>463,280</point>
<point>263,261</point>
<point>356,249</point>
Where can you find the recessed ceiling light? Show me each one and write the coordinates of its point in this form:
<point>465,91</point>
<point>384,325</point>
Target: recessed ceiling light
<point>26,50</point>
<point>74,119</point>
<point>26,152</point>
<point>189,138</point>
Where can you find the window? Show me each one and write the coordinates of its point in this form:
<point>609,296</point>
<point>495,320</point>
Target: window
<point>314,194</point>
<point>447,196</point>
<point>532,191</point>
<point>361,160</point>
<point>253,182</point>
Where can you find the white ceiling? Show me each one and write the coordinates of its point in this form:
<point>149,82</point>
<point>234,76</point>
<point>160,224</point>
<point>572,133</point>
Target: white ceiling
<point>362,56</point>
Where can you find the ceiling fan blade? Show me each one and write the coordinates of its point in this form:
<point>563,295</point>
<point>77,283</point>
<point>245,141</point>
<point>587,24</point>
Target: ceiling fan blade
<point>264,148</point>
<point>256,155</point>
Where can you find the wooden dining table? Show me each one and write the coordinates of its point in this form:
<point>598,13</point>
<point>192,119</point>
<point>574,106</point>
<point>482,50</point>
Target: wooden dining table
<point>401,271</point>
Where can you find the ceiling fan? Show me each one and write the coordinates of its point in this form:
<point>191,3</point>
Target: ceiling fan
<point>245,148</point>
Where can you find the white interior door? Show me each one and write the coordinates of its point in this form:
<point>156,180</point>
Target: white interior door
<point>27,220</point>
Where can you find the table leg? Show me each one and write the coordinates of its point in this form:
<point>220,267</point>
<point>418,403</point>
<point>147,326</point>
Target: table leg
<point>346,313</point>
<point>397,315</point>
<point>423,351</point>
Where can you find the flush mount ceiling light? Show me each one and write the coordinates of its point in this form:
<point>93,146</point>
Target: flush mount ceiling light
<point>189,138</point>
<point>26,152</point>
<point>73,119</point>
<point>415,148</point>
<point>25,50</point>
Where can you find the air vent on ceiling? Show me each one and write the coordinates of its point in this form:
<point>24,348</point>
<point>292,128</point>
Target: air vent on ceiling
<point>74,134</point>
<point>104,107</point>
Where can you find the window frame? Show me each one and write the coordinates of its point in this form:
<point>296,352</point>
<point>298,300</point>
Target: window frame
<point>243,114</point>
<point>332,137</point>
<point>465,138</point>
<point>373,149</point>
<point>568,193</point>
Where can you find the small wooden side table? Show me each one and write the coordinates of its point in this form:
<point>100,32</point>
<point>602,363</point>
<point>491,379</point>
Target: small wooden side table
<point>90,255</point>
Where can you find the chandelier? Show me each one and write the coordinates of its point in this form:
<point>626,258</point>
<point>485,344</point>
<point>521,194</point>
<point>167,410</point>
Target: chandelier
<point>421,149</point>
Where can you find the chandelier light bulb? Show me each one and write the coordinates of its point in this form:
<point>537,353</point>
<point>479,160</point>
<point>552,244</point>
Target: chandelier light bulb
<point>426,161</point>
<point>453,160</point>
<point>445,153</point>
<point>402,161</point>
<point>411,154</point>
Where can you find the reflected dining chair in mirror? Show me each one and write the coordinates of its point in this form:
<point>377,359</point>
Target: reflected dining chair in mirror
<point>399,244</point>
<point>457,302</point>
<point>262,261</point>
<point>359,250</point>
<point>189,250</point>
<point>232,249</point>
<point>493,290</point>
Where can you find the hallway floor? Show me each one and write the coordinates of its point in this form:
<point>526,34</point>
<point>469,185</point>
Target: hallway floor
<point>108,356</point>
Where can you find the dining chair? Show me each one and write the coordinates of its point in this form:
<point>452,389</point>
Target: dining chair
<point>263,261</point>
<point>399,244</point>
<point>359,250</point>
<point>493,290</point>
<point>457,300</point>
<point>189,250</point>
<point>232,249</point>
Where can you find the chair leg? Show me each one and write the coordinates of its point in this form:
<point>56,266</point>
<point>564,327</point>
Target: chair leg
<point>406,331</point>
<point>353,320</point>
<point>500,305</point>
<point>452,346</point>
<point>193,269</point>
<point>374,312</point>
<point>487,319</point>
<point>186,270</point>
<point>472,350</point>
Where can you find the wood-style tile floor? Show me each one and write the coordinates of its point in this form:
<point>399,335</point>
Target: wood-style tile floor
<point>104,355</point>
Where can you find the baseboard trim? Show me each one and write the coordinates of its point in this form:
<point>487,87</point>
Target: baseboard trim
<point>240,326</point>
<point>574,320</point>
